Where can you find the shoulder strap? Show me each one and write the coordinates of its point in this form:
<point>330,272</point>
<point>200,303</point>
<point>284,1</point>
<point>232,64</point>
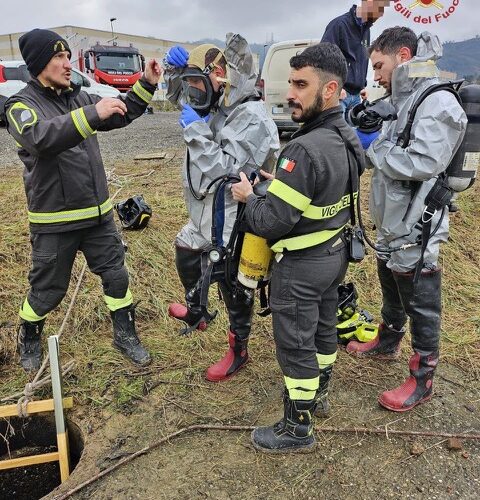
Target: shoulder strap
<point>253,97</point>
<point>404,137</point>
<point>351,173</point>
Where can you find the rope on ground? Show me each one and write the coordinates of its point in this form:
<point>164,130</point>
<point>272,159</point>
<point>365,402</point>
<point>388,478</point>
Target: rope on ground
<point>243,428</point>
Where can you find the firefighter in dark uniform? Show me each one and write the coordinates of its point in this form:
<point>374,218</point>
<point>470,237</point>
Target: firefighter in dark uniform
<point>303,216</point>
<point>69,209</point>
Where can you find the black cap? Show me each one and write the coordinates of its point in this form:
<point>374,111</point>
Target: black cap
<point>39,46</point>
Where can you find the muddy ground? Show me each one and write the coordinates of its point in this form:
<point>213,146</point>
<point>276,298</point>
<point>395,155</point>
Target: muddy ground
<point>172,394</point>
<point>223,464</point>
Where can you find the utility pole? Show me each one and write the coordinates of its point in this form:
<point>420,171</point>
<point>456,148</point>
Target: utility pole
<point>111,24</point>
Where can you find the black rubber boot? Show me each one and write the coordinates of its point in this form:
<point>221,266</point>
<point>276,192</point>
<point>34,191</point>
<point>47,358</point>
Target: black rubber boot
<point>323,406</point>
<point>423,304</point>
<point>29,344</point>
<point>125,337</point>
<point>292,434</point>
<point>393,311</point>
<point>240,312</point>
<point>189,269</point>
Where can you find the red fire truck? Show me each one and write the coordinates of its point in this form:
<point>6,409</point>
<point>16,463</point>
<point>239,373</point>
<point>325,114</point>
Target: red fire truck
<point>112,65</point>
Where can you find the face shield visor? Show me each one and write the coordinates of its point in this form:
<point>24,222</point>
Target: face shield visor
<point>197,91</point>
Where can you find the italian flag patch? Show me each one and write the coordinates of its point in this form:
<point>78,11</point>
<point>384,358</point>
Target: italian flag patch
<point>287,164</point>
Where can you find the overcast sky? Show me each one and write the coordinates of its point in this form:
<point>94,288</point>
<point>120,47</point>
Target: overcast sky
<point>190,20</point>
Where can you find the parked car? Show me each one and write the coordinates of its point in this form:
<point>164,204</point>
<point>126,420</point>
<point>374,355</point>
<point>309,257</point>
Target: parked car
<point>14,76</point>
<point>274,81</point>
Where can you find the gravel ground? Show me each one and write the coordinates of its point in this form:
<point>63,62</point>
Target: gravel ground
<point>147,134</point>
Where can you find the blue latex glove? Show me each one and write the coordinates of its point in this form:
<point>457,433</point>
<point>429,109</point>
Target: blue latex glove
<point>177,56</point>
<point>367,139</point>
<point>189,115</point>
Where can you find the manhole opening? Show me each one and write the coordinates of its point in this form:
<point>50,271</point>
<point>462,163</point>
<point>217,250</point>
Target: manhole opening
<point>20,437</point>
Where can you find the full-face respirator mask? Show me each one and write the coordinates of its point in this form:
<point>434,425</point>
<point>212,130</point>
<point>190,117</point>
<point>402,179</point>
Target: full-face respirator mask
<point>197,89</point>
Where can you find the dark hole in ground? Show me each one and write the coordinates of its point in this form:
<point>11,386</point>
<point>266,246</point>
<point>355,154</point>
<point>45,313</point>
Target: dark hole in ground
<point>34,436</point>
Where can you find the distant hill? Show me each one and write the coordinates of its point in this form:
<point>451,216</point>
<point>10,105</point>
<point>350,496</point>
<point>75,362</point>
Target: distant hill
<point>462,58</point>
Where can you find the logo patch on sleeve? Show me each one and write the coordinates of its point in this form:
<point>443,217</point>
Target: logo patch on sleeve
<point>287,164</point>
<point>26,115</point>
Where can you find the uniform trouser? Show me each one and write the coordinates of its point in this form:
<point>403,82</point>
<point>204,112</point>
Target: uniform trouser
<point>53,255</point>
<point>421,302</point>
<point>303,300</point>
<point>188,264</point>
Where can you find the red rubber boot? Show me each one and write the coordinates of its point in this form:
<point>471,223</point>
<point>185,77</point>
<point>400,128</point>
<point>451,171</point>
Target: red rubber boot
<point>417,388</point>
<point>386,345</point>
<point>235,359</point>
<point>180,311</point>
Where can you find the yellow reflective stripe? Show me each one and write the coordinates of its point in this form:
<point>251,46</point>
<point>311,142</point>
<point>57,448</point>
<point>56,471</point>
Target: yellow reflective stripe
<point>305,240</point>
<point>325,360</point>
<point>20,105</point>
<point>114,304</point>
<point>302,389</point>
<point>319,213</point>
<point>77,124</point>
<point>144,94</point>
<point>28,314</point>
<point>289,195</point>
<point>81,123</point>
<point>85,121</point>
<point>70,215</point>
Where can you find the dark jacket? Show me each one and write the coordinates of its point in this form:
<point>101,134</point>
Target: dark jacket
<point>308,203</point>
<point>64,176</point>
<point>353,40</point>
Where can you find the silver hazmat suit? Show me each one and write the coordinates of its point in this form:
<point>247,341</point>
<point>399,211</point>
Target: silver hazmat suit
<point>403,177</point>
<point>238,136</point>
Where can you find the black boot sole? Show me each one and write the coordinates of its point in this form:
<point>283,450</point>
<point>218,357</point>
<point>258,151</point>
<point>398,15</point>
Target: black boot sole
<point>308,448</point>
<point>136,363</point>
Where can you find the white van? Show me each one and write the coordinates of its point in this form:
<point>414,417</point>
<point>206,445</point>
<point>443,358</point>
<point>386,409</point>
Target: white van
<point>274,82</point>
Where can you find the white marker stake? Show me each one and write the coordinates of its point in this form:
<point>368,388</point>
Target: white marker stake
<point>62,432</point>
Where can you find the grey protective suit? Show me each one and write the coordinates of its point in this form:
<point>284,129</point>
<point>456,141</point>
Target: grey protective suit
<point>402,177</point>
<point>239,136</point>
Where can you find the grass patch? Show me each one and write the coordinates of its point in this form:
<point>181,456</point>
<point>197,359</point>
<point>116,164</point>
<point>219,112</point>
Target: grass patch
<point>103,379</point>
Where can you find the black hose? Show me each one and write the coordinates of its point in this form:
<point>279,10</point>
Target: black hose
<point>388,249</point>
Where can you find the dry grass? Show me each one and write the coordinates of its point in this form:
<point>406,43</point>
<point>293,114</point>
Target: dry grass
<point>103,380</point>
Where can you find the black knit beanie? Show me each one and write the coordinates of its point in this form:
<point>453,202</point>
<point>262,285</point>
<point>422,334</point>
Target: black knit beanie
<point>39,46</point>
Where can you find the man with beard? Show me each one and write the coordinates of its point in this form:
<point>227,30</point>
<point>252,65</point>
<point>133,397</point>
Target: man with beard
<point>303,216</point>
<point>403,178</point>
<point>351,33</point>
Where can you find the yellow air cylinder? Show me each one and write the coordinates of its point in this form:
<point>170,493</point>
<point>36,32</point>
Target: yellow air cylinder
<point>255,260</point>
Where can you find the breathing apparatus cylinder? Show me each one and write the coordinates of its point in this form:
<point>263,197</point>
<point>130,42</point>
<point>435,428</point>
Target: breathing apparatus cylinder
<point>255,261</point>
<point>256,256</point>
<point>462,171</point>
